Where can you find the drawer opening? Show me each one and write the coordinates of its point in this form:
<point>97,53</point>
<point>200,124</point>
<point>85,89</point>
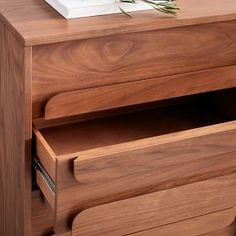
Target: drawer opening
<point>192,112</point>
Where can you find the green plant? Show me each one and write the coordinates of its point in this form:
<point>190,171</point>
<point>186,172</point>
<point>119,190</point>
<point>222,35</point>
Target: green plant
<point>164,6</point>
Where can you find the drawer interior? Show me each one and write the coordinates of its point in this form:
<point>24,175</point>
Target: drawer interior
<point>182,114</point>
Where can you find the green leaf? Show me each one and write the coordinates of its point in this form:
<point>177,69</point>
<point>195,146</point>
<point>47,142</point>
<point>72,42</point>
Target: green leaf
<point>164,6</point>
<point>124,12</point>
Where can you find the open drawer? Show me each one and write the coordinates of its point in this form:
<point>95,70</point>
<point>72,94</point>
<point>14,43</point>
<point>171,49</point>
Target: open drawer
<point>85,164</point>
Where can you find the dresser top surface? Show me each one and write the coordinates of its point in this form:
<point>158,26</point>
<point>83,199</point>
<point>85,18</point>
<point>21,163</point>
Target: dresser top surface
<point>34,22</point>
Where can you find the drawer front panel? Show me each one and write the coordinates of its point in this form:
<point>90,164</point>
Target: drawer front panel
<point>42,216</point>
<point>74,65</point>
<point>157,209</point>
<point>229,231</point>
<point>196,152</point>
<point>132,93</point>
<point>222,221</point>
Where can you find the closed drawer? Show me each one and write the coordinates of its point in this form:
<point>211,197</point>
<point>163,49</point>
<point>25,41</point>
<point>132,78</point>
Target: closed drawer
<point>154,214</point>
<point>90,63</point>
<point>220,223</point>
<point>42,216</point>
<point>100,161</point>
<point>229,231</point>
<point>84,101</point>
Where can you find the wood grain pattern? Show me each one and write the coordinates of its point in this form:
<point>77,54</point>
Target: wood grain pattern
<point>34,22</point>
<point>42,216</point>
<point>201,225</point>
<point>133,163</point>
<point>46,154</point>
<point>211,130</point>
<point>119,95</point>
<point>140,213</point>
<point>229,231</point>
<point>75,65</point>
<point>92,134</point>
<point>209,31</point>
<point>118,169</point>
<point>172,171</point>
<point>15,136</point>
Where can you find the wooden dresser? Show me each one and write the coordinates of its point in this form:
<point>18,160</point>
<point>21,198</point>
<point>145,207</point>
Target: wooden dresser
<point>113,126</point>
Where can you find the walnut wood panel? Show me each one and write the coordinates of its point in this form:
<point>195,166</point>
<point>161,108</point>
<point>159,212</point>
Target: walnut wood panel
<point>33,22</point>
<point>188,156</point>
<point>140,213</point>
<point>108,184</point>
<point>147,159</point>
<point>201,225</point>
<point>179,162</point>
<point>15,136</point>
<point>211,98</point>
<point>42,216</point>
<point>125,94</point>
<point>47,156</point>
<point>229,231</point>
<point>74,65</point>
<point>81,136</point>
<point>37,23</point>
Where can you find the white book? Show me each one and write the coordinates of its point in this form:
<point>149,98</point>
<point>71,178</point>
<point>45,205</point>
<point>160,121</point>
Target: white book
<point>82,8</point>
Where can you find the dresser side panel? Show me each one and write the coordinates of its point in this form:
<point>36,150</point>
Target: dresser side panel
<point>15,136</point>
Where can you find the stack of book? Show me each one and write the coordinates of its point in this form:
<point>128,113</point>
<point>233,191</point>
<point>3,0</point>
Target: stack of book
<point>82,8</point>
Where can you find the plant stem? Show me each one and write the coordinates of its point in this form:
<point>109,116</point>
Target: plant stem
<point>164,6</point>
